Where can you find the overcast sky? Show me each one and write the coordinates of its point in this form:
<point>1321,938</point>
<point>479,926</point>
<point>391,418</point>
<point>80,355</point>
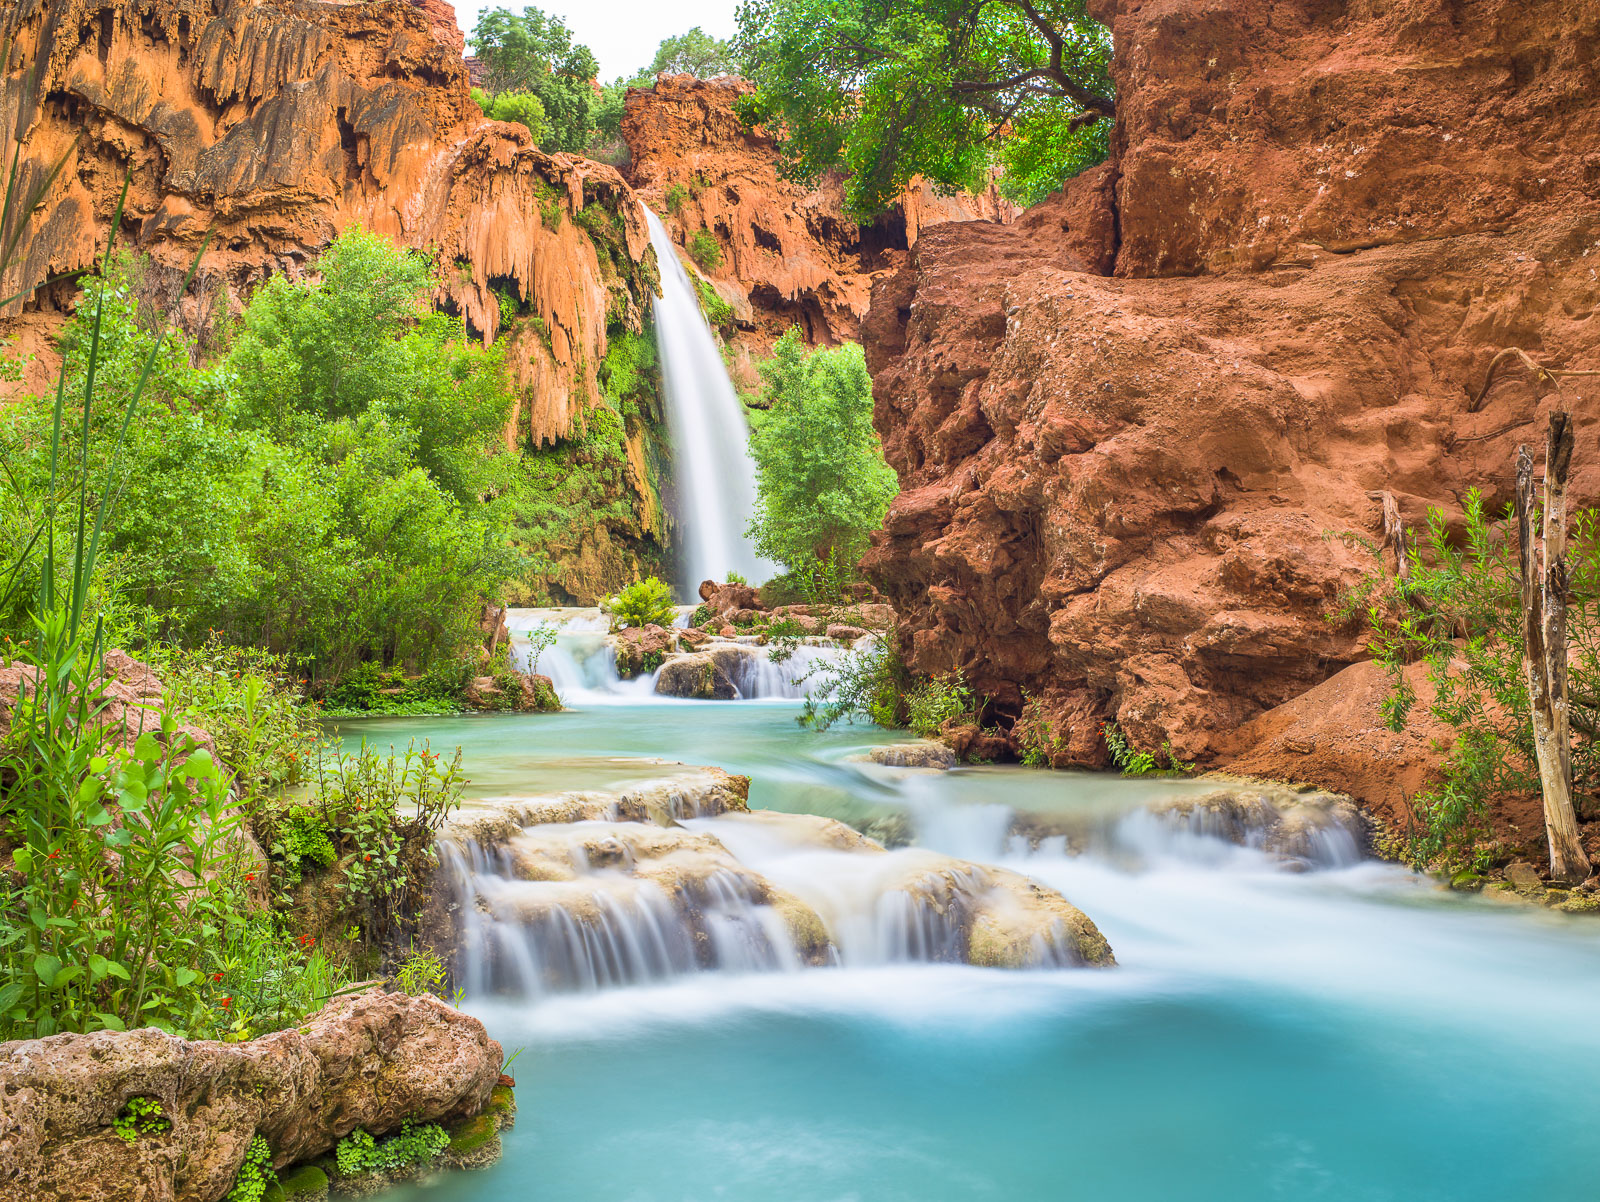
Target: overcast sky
<point>623,34</point>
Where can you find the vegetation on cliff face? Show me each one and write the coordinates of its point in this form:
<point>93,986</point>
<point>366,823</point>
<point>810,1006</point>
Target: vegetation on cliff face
<point>533,54</point>
<point>946,89</point>
<point>318,490</point>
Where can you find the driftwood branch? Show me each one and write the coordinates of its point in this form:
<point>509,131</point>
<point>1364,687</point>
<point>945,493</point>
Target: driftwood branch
<point>1545,589</point>
<point>1544,375</point>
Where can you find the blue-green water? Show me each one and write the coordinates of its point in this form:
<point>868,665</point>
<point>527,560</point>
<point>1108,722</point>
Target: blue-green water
<point>1344,1035</point>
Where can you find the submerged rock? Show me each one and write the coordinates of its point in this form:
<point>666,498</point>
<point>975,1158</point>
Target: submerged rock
<point>371,1060</point>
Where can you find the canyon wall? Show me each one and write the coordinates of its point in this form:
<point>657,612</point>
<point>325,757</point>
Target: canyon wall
<point>790,255</point>
<point>1132,427</point>
<point>273,125</point>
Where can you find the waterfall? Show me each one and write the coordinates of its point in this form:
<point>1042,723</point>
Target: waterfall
<point>715,476</point>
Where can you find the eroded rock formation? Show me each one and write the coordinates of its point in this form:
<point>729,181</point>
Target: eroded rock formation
<point>790,255</point>
<point>369,1060</point>
<point>1132,426</point>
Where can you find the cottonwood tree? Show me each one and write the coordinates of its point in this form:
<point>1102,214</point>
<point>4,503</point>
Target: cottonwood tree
<point>533,54</point>
<point>946,89</point>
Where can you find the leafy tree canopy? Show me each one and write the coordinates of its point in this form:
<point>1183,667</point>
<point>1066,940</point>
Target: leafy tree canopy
<point>822,486</point>
<point>522,107</point>
<point>695,53</point>
<point>534,54</point>
<point>946,89</point>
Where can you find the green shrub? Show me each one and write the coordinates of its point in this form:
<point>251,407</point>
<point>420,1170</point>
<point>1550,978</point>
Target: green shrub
<point>524,108</point>
<point>870,683</point>
<point>718,311</point>
<point>934,703</point>
<point>421,972</point>
<point>646,602</point>
<point>705,250</point>
<point>1040,741</point>
<point>676,197</point>
<point>1128,758</point>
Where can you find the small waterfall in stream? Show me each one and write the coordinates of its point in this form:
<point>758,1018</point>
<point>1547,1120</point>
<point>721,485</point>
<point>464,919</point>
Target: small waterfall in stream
<point>710,440</point>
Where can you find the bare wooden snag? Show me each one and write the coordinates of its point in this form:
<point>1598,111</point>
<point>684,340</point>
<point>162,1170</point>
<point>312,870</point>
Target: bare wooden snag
<point>1545,588</point>
<point>1394,534</point>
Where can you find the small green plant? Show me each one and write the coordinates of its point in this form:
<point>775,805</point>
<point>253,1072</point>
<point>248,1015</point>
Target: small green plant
<point>539,640</point>
<point>718,312</point>
<point>1129,759</point>
<point>737,578</point>
<point>422,971</point>
<point>870,683</point>
<point>1042,744</point>
<point>646,602</point>
<point>255,1174</point>
<point>935,703</point>
<point>140,1116</point>
<point>705,250</point>
<point>676,197</point>
<point>358,1152</point>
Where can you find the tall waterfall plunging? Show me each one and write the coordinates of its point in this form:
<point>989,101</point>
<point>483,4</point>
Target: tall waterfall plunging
<point>710,441</point>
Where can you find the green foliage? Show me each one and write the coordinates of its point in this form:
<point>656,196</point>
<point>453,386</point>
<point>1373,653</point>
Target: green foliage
<point>822,485</point>
<point>380,814</point>
<point>676,197</point>
<point>1042,744</point>
<point>422,971</point>
<point>317,492</point>
<point>945,89</point>
<point>1128,758</point>
<point>935,703</point>
<point>255,1174</point>
<point>534,54</point>
<point>1459,614</point>
<point>358,1152</point>
<point>645,602</point>
<point>140,1116</point>
<point>539,640</point>
<point>695,53</point>
<point>524,108</point>
<point>871,683</point>
<point>718,311</point>
<point>705,250</point>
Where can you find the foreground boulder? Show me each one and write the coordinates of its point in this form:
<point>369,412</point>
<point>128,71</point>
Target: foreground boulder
<point>370,1060</point>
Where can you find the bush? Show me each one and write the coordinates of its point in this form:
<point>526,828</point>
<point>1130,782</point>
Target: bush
<point>870,683</point>
<point>644,603</point>
<point>822,485</point>
<point>358,1152</point>
<point>705,250</point>
<point>937,702</point>
<point>523,108</point>
<point>676,197</point>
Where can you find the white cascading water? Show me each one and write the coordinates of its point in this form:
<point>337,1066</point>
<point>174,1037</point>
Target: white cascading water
<point>710,440</point>
<point>583,666</point>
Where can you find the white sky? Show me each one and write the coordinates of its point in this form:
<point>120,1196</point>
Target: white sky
<point>623,34</point>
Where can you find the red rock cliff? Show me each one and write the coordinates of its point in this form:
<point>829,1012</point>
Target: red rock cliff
<point>1323,217</point>
<point>279,122</point>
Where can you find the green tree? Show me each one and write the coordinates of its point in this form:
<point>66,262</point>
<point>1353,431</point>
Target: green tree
<point>822,485</point>
<point>695,53</point>
<point>534,54</point>
<point>946,89</point>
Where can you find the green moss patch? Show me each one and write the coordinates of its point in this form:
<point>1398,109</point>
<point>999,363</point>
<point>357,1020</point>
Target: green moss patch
<point>474,1133</point>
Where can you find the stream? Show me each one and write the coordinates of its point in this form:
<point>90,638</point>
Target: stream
<point>1344,1031</point>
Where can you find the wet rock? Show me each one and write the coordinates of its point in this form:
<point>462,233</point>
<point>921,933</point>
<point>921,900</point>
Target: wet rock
<point>1524,877</point>
<point>372,1060</point>
<point>843,633</point>
<point>708,675</point>
<point>642,649</point>
<point>927,754</point>
<point>693,638</point>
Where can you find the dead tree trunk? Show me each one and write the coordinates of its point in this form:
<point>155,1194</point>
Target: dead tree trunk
<point>1544,633</point>
<point>1394,533</point>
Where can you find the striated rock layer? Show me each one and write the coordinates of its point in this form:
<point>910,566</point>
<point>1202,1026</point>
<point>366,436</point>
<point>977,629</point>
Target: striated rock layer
<point>371,1060</point>
<point>1131,426</point>
<point>790,255</point>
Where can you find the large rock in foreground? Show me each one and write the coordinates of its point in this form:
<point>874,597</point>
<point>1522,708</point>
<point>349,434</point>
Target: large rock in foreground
<point>368,1060</point>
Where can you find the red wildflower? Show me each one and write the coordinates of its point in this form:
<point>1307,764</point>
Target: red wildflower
<point>249,876</point>
<point>225,1002</point>
<point>216,976</point>
<point>55,855</point>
